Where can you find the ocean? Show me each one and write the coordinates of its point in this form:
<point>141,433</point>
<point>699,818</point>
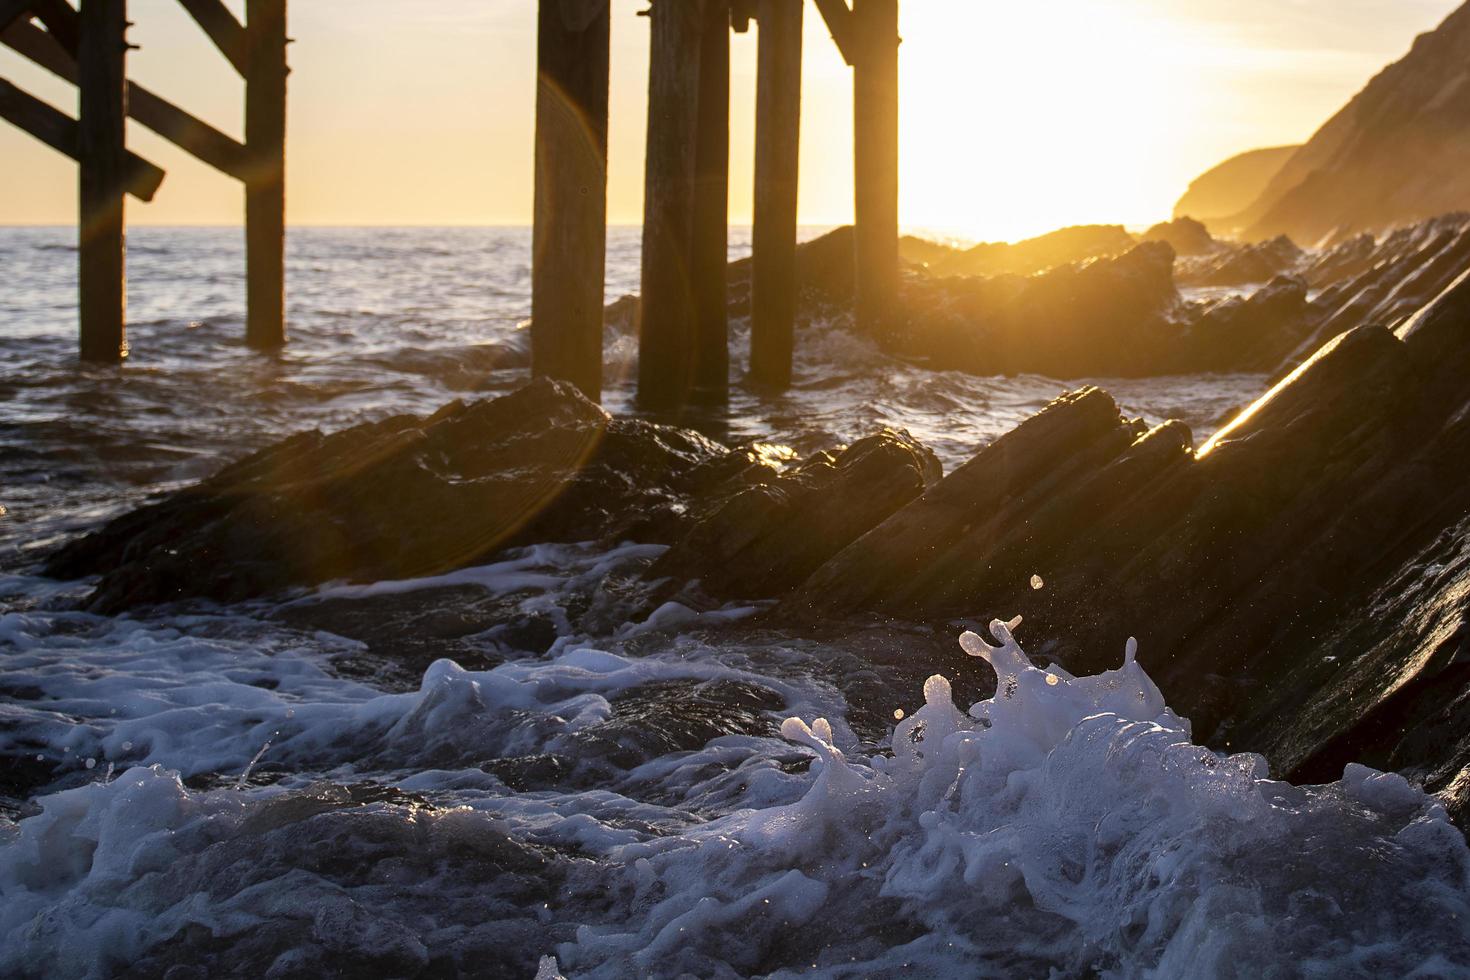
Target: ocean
<point>225,790</point>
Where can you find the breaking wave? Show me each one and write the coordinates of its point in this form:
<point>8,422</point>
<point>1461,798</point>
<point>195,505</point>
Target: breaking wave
<point>1066,825</point>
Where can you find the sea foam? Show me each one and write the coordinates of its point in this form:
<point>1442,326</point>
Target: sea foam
<point>1066,825</point>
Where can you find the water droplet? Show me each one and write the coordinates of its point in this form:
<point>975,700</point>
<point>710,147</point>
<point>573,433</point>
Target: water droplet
<point>898,714</point>
<point>91,763</point>
<point>1036,582</point>
<point>40,758</point>
<point>1051,680</point>
<point>127,746</point>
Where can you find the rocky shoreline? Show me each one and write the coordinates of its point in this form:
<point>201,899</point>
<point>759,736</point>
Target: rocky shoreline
<point>1299,585</point>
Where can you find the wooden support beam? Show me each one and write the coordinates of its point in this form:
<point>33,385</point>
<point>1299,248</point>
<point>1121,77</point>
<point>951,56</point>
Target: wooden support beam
<point>59,17</point>
<point>742,12</point>
<point>215,19</point>
<point>569,240</point>
<point>101,55</point>
<point>875,160</point>
<point>11,11</point>
<point>840,23</point>
<point>265,176</point>
<point>666,348</point>
<point>167,120</point>
<point>59,131</point>
<point>777,155</point>
<point>712,208</point>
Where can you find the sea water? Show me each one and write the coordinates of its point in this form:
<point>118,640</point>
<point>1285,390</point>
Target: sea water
<point>683,792</point>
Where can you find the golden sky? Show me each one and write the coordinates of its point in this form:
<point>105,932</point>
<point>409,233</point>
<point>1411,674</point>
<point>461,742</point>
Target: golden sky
<point>1017,116</point>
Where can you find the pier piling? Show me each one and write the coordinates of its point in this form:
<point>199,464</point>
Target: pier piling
<point>102,183</point>
<point>711,207</point>
<point>773,236</point>
<point>265,180</point>
<point>569,239</point>
<point>666,332</point>
<point>875,159</point>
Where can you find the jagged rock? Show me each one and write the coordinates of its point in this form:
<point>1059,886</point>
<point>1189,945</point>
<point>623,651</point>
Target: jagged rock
<point>1229,188</point>
<point>1058,248</point>
<point>1363,281</point>
<point>1298,586</point>
<point>1242,264</point>
<point>407,496</point>
<point>1110,316</point>
<point>1248,333</point>
<point>1185,234</point>
<point>410,497</point>
<point>768,538</point>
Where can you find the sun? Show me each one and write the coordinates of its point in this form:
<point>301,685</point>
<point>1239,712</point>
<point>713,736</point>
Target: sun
<point>1023,117</point>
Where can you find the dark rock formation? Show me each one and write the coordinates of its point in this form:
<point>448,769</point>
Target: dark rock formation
<point>404,497</point>
<point>1247,333</point>
<point>1297,586</point>
<point>1186,235</point>
<point>1366,281</point>
<point>1242,264</point>
<point>1110,316</point>
<point>768,538</point>
<point>1229,188</point>
<point>1024,258</point>
<point>409,497</point>
<point>1393,155</point>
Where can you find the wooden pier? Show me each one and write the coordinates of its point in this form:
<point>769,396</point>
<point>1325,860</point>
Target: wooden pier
<point>683,325</point>
<point>683,332</point>
<point>87,46</point>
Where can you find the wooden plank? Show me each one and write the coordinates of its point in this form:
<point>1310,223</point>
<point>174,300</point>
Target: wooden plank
<point>59,131</point>
<point>11,10</point>
<point>777,156</point>
<point>167,120</point>
<point>840,22</point>
<point>221,27</point>
<point>59,17</point>
<point>101,51</point>
<point>265,179</point>
<point>875,161</point>
<point>742,12</point>
<point>710,255</point>
<point>666,349</point>
<point>569,240</point>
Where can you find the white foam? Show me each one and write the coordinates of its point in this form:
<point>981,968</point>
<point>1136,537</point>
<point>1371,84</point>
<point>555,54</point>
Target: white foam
<point>1066,824</point>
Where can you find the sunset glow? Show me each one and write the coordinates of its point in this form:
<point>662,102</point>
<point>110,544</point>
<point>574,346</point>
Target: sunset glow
<point>1017,117</point>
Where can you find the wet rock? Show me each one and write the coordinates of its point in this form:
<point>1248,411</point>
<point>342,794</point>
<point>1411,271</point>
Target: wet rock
<point>1311,554</point>
<point>1058,248</point>
<point>768,538</point>
<point>1185,235</point>
<point>1248,333</point>
<point>404,497</point>
<point>1110,317</point>
<point>1366,281</point>
<point>1242,264</point>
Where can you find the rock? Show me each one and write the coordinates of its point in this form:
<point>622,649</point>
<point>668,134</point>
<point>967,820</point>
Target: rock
<point>411,497</point>
<point>1298,586</point>
<point>1058,248</point>
<point>1228,188</point>
<point>766,539</point>
<point>1186,235</point>
<point>1110,316</point>
<point>1248,334</point>
<point>1242,264</point>
<point>405,497</point>
<point>1363,281</point>
<point>1393,155</point>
